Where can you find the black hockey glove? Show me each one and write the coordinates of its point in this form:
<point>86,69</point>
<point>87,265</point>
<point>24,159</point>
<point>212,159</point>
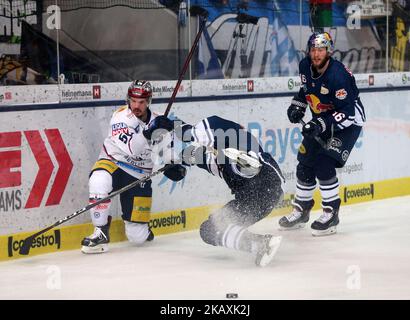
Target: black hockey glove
<point>175,173</point>
<point>296,110</point>
<point>160,122</point>
<point>313,128</point>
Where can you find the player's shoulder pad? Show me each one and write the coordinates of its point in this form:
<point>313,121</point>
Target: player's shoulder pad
<point>120,114</point>
<point>120,109</point>
<point>216,122</point>
<point>214,118</point>
<point>339,71</point>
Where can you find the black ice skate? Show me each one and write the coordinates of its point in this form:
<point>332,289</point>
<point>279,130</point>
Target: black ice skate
<point>326,223</point>
<point>269,245</point>
<point>296,219</point>
<point>98,241</point>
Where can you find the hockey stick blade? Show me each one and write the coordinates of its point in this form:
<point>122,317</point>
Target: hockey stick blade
<point>27,242</point>
<point>25,247</point>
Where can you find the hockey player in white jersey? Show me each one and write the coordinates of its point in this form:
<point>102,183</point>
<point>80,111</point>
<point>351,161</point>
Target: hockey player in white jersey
<point>226,150</point>
<point>125,157</point>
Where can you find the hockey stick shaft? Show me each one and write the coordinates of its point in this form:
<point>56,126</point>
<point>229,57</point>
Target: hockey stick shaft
<point>186,64</point>
<point>25,248</point>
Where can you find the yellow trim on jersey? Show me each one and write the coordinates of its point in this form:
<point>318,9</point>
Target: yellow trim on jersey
<point>141,209</point>
<point>105,165</point>
<point>121,109</point>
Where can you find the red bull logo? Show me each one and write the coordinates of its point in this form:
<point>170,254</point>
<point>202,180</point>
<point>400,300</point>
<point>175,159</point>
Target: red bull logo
<point>317,106</point>
<point>341,94</point>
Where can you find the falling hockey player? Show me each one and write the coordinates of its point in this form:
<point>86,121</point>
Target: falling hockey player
<point>125,157</point>
<point>224,149</point>
<point>329,89</point>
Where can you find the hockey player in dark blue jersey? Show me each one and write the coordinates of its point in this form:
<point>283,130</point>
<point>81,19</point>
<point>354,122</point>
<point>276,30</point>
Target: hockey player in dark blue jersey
<point>226,150</point>
<point>329,89</point>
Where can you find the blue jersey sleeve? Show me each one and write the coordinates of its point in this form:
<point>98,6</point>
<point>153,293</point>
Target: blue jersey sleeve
<point>344,92</point>
<point>304,66</point>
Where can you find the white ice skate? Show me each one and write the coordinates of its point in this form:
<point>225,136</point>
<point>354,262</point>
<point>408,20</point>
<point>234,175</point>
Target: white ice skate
<point>268,250</point>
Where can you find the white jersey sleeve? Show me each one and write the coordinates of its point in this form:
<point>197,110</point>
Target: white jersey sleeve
<point>203,136</point>
<point>125,144</point>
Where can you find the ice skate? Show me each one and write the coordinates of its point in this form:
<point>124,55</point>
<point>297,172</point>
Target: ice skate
<point>269,247</point>
<point>295,220</point>
<point>326,224</point>
<point>98,241</point>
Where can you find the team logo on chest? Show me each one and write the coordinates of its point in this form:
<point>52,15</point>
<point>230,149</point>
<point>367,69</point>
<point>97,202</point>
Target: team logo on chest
<point>317,106</point>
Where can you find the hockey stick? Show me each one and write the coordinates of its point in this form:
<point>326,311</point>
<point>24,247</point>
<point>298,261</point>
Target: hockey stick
<point>25,248</point>
<point>322,143</point>
<point>203,15</point>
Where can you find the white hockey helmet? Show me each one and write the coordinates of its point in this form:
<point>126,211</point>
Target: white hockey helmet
<point>321,40</point>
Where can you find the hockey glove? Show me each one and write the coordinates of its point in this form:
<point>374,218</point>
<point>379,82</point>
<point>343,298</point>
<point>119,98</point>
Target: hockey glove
<point>296,110</point>
<point>175,173</point>
<point>153,130</point>
<point>313,128</point>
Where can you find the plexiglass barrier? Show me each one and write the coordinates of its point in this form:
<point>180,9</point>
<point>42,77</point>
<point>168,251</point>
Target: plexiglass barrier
<point>92,41</point>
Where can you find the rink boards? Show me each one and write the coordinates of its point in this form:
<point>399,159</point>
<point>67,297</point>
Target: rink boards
<point>46,154</point>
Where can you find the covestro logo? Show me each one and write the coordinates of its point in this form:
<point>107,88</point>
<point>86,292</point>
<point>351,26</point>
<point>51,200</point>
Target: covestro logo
<point>13,245</point>
<point>169,221</point>
<point>361,192</point>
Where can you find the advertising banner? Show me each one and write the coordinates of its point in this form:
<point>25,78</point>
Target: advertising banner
<point>46,155</point>
<point>116,91</point>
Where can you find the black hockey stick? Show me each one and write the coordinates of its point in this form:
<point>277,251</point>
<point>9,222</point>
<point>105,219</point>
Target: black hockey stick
<point>322,143</point>
<point>25,248</point>
<point>203,15</point>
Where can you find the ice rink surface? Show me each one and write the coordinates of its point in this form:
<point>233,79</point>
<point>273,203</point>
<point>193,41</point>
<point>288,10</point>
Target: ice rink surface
<point>369,258</point>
